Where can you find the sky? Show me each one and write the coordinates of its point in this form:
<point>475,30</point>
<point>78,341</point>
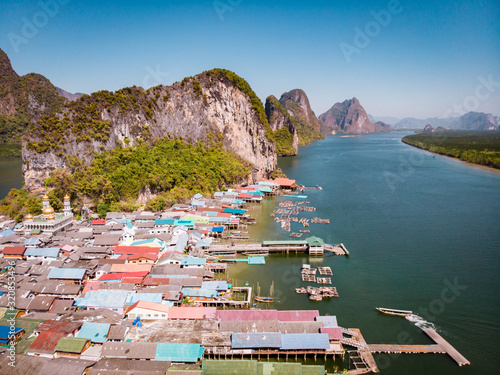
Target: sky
<point>400,58</point>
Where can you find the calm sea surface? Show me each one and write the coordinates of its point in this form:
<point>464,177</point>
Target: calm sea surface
<point>414,224</point>
<point>11,175</point>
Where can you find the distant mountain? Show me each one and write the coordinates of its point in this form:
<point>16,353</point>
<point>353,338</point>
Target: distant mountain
<point>309,128</point>
<point>71,97</point>
<point>284,127</point>
<point>22,100</point>
<point>386,119</point>
<point>350,117</point>
<point>469,121</point>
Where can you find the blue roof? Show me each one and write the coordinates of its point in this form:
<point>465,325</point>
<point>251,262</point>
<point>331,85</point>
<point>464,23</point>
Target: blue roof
<point>31,241</point>
<point>164,222</point>
<point>156,241</point>
<point>236,211</point>
<point>7,233</point>
<point>256,340</point>
<point>189,224</point>
<point>103,298</point>
<point>5,332</point>
<point>218,229</point>
<point>166,351</point>
<point>328,321</point>
<point>256,260</point>
<point>50,252</point>
<point>196,292</point>
<point>66,273</point>
<point>309,341</point>
<point>193,261</point>
<point>149,297</point>
<point>215,285</point>
<point>95,332</point>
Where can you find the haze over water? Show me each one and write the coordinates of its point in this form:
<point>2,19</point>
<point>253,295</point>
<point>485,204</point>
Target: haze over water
<point>435,222</point>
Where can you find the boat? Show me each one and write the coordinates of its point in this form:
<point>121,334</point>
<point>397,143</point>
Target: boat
<point>300,290</point>
<point>269,299</point>
<point>405,313</point>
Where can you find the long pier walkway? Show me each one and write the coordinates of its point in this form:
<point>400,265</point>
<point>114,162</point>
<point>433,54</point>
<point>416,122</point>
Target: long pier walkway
<point>256,248</point>
<point>441,346</point>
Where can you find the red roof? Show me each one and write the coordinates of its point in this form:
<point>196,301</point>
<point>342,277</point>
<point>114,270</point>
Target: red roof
<point>222,214</point>
<point>209,209</point>
<point>135,249</point>
<point>132,280</point>
<point>186,313</point>
<point>121,275</point>
<point>98,222</point>
<point>284,182</point>
<point>149,306</point>
<point>90,285</point>
<point>247,196</point>
<point>14,250</point>
<point>246,315</point>
<point>334,333</point>
<point>151,281</point>
<point>150,256</point>
<point>54,326</point>
<point>298,315</point>
<point>131,267</point>
<point>46,342</point>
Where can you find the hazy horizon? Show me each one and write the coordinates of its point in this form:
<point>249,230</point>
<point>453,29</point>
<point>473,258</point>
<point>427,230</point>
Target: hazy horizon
<point>399,58</point>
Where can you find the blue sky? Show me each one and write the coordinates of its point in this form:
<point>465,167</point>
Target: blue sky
<point>421,59</point>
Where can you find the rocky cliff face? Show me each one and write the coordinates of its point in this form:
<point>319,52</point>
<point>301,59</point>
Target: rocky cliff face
<point>477,121</point>
<point>215,107</point>
<point>297,104</point>
<point>68,95</point>
<point>23,99</point>
<point>283,126</point>
<point>350,117</point>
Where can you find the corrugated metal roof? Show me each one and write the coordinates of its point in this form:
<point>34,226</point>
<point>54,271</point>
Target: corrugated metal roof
<point>103,298</point>
<point>305,341</point>
<point>215,285</point>
<point>334,333</point>
<point>5,332</point>
<point>186,313</point>
<point>95,332</point>
<point>297,315</point>
<point>276,368</point>
<point>45,342</point>
<point>256,340</point>
<point>287,242</point>
<point>193,261</point>
<point>49,252</point>
<point>246,315</point>
<point>328,321</point>
<point>174,352</point>
<point>67,273</point>
<point>196,292</point>
<point>238,367</point>
<point>149,297</point>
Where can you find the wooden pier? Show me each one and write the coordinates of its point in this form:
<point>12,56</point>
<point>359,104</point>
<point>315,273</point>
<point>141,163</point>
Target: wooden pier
<point>256,248</point>
<point>441,346</point>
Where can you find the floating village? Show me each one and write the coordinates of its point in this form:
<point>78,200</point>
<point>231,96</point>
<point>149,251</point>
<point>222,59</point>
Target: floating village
<point>149,293</point>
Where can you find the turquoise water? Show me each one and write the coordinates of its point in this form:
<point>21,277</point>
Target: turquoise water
<point>11,175</point>
<point>413,224</point>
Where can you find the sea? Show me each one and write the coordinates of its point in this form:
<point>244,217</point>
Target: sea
<point>423,232</point>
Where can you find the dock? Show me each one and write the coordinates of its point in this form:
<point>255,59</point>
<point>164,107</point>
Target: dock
<point>257,248</point>
<point>450,350</point>
<point>441,346</point>
<point>339,249</point>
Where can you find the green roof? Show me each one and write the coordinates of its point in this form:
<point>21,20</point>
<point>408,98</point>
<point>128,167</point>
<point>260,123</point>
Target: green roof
<point>71,344</point>
<point>287,242</point>
<point>313,370</point>
<point>279,368</point>
<point>243,367</point>
<point>315,241</point>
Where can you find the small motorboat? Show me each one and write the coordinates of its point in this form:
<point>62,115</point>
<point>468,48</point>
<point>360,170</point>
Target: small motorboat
<point>405,313</point>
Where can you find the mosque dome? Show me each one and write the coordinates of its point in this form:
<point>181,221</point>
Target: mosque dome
<point>66,197</point>
<point>48,210</point>
<point>28,217</point>
<point>51,217</point>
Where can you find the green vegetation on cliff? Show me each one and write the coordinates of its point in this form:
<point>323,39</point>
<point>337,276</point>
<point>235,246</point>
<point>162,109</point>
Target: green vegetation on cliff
<point>171,169</point>
<point>478,147</point>
<point>284,142</point>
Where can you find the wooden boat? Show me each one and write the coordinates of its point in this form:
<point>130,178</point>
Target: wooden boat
<point>404,313</point>
<point>269,299</point>
<point>301,290</point>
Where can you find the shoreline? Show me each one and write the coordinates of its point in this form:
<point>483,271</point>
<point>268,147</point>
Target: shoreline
<point>481,166</point>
